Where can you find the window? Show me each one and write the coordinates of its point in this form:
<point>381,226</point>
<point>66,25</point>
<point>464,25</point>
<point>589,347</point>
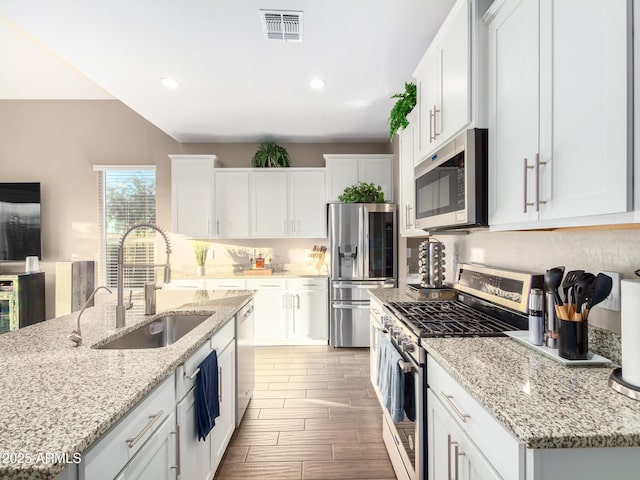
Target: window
<point>126,196</point>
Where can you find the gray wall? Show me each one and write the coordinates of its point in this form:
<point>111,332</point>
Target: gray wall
<point>57,142</point>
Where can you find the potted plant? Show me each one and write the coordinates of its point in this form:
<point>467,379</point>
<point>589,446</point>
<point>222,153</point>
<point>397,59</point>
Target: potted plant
<point>362,193</point>
<point>200,249</point>
<point>403,106</point>
<point>270,154</point>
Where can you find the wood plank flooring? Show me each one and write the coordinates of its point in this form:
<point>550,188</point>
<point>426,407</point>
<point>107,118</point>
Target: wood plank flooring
<point>314,415</point>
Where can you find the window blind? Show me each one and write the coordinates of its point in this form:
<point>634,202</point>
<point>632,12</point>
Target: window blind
<point>126,196</point>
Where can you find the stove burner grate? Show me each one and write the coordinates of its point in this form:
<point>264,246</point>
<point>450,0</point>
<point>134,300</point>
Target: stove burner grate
<point>449,319</point>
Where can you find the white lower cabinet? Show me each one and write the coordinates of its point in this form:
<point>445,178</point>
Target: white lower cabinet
<point>226,422</point>
<point>195,455</point>
<point>484,447</point>
<point>156,460</point>
<point>270,310</point>
<point>291,312</point>
<point>452,454</point>
<point>465,442</point>
<point>144,433</point>
<point>200,459</point>
<point>376,314</point>
<point>308,317</point>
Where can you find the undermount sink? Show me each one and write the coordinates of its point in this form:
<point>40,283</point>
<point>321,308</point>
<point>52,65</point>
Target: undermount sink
<point>163,331</point>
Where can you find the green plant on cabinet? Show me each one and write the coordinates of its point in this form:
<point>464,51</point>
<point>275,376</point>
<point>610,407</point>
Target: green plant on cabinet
<point>362,193</point>
<point>270,154</point>
<point>403,106</point>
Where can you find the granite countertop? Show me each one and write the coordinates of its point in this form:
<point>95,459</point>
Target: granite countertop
<point>57,398</point>
<point>543,403</point>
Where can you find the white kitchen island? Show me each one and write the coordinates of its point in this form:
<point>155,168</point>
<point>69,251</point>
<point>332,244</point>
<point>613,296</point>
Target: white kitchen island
<point>58,401</point>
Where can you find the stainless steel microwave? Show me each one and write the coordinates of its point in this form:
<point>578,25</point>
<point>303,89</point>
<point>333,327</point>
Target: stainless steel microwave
<point>451,190</point>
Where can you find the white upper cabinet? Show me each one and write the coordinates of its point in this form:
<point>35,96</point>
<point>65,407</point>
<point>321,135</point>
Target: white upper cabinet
<point>559,101</point>
<point>407,197</point>
<point>231,203</point>
<point>191,194</point>
<point>513,55</point>
<point>451,79</point>
<point>213,202</point>
<point>342,172</point>
<point>269,203</point>
<point>306,201</point>
<point>288,203</point>
<point>345,170</point>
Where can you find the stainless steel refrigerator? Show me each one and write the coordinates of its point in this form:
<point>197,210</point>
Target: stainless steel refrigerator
<point>363,248</point>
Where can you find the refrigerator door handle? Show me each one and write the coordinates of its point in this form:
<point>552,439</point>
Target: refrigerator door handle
<point>351,306</point>
<point>363,235</point>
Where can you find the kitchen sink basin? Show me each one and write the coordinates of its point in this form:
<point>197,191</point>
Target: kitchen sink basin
<point>163,331</point>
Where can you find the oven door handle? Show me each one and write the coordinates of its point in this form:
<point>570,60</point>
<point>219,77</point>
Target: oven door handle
<point>406,367</point>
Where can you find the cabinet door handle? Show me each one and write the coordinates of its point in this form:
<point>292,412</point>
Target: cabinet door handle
<point>435,119</point>
<point>449,445</point>
<point>176,467</point>
<point>220,384</point>
<point>431,138</point>
<point>526,174</point>
<point>209,227</point>
<point>410,219</point>
<point>217,227</point>
<point>131,442</point>
<point>538,163</point>
<point>457,453</point>
<point>449,399</point>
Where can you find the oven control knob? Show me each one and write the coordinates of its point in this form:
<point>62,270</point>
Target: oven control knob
<point>387,322</point>
<point>408,346</point>
<point>396,332</point>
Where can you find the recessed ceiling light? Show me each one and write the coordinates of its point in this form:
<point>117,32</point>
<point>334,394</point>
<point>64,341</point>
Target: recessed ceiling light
<point>169,82</point>
<point>316,83</point>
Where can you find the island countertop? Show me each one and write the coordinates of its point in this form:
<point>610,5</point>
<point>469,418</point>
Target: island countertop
<point>543,403</point>
<point>59,399</point>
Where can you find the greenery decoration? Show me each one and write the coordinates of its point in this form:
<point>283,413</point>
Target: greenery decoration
<point>200,249</point>
<point>362,193</point>
<point>270,154</point>
<point>405,103</point>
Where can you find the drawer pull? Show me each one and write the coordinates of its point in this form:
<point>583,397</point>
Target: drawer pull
<point>193,375</point>
<point>152,419</point>
<point>449,399</point>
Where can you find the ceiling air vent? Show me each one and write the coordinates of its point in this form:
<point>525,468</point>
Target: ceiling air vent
<point>282,25</point>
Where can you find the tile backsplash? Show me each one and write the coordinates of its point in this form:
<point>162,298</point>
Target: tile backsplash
<point>616,250</point>
<point>224,254</point>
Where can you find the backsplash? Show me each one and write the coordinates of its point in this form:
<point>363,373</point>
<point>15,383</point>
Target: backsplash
<point>615,250</point>
<point>224,255</point>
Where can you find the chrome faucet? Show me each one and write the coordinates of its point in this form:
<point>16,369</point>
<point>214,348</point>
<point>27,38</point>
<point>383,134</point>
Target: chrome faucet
<point>76,335</point>
<point>121,308</point>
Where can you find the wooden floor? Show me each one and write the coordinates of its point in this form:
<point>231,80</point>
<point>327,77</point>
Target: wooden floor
<point>314,415</point>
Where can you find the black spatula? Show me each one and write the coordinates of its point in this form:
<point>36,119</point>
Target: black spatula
<point>601,289</point>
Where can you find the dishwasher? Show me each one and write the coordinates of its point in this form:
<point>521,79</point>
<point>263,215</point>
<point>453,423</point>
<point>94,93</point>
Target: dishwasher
<point>245,360</point>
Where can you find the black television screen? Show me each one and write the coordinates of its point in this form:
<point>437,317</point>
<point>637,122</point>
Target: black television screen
<point>19,221</point>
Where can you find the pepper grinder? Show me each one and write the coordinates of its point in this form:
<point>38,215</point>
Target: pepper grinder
<point>536,320</point>
<point>552,320</point>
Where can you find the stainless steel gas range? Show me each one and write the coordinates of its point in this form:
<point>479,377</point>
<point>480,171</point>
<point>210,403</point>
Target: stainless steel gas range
<point>488,302</point>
